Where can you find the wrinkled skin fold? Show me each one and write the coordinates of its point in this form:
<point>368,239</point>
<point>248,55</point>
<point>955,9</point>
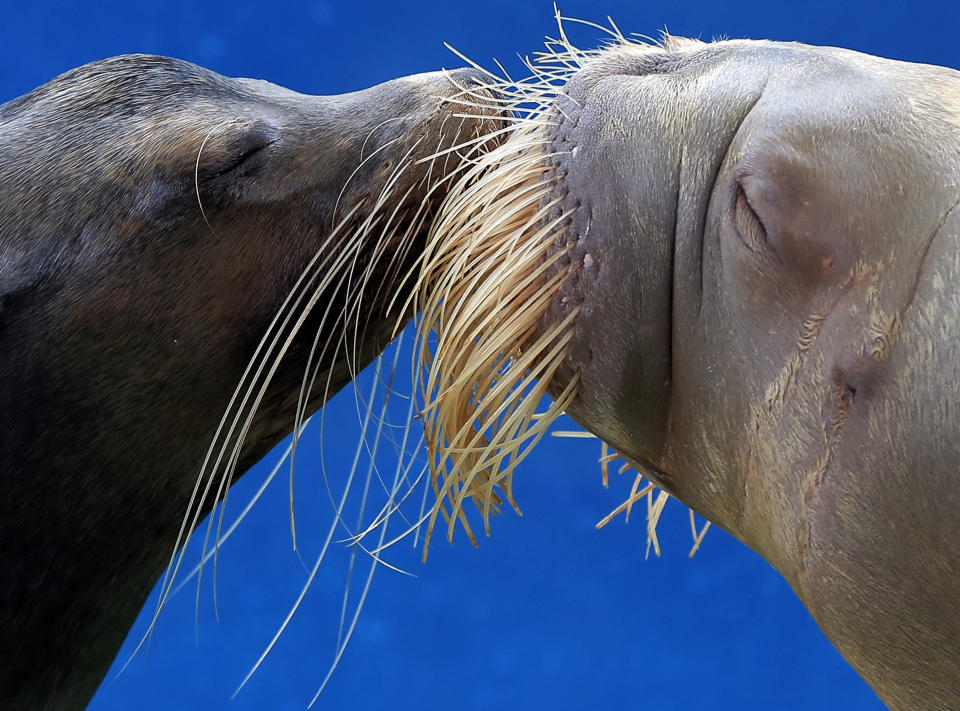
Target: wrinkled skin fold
<point>765,239</point>
<point>154,217</point>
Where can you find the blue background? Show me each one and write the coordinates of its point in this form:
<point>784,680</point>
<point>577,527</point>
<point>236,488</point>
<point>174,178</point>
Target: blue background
<point>548,613</point>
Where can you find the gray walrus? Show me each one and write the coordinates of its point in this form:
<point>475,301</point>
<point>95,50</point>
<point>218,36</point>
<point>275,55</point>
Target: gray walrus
<point>155,218</point>
<point>737,264</point>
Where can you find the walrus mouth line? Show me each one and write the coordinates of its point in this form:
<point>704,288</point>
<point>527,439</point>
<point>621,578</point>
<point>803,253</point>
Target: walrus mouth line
<point>495,259</point>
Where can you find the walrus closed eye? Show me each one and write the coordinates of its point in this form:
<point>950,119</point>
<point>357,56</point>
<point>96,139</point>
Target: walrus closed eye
<point>156,220</point>
<point>736,263</point>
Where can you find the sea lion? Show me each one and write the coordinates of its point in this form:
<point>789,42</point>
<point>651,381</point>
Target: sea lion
<point>736,263</point>
<point>156,220</point>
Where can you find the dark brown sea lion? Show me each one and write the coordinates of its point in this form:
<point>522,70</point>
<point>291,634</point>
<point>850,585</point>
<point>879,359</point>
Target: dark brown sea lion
<point>155,218</point>
<point>738,264</point>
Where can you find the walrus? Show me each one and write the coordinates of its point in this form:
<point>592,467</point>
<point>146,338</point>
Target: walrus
<point>167,233</point>
<point>736,263</point>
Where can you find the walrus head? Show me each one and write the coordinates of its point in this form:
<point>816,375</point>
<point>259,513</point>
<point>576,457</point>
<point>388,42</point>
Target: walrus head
<point>165,234</point>
<point>735,263</point>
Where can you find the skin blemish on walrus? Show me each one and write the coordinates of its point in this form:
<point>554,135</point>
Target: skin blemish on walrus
<point>774,325</point>
<point>190,266</point>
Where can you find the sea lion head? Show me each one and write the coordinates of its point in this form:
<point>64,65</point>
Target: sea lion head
<point>734,262</point>
<point>190,265</point>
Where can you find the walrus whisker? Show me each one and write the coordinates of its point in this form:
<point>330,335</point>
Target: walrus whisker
<point>493,263</point>
<point>654,511</point>
<point>410,303</point>
<point>503,433</point>
<point>698,538</point>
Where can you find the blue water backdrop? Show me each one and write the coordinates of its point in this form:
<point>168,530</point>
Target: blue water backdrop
<point>548,612</point>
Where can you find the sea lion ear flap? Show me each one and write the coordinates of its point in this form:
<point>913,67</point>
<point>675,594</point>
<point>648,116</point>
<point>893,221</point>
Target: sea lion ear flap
<point>234,148</point>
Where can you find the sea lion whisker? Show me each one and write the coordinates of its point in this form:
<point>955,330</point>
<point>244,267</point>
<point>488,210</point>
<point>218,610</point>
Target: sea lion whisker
<point>277,324</point>
<point>277,357</point>
<point>196,171</point>
<point>359,238</point>
<point>231,464</point>
<point>360,289</point>
<point>372,452</point>
<point>254,499</point>
<point>480,140</point>
<point>306,311</point>
<point>352,627</point>
<point>473,64</point>
<point>357,169</point>
<point>393,507</point>
<point>337,521</point>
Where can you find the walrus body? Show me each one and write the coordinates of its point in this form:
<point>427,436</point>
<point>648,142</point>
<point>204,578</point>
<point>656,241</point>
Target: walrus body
<point>766,244</point>
<point>154,217</point>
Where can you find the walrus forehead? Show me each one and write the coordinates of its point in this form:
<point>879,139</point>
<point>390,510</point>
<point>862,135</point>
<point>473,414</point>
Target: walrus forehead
<point>731,66</point>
